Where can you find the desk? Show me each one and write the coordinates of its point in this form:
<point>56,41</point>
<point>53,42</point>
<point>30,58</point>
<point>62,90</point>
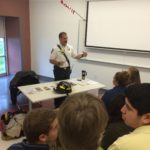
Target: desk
<point>44,91</point>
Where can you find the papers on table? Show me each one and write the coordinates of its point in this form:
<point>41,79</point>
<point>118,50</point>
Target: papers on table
<point>91,82</point>
<point>82,82</point>
<point>38,89</point>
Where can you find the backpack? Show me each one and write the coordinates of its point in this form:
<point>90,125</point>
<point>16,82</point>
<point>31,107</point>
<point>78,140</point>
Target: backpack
<point>21,78</point>
<point>12,124</point>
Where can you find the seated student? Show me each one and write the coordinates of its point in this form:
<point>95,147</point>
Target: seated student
<point>82,118</point>
<point>134,75</point>
<point>116,127</point>
<point>120,81</point>
<point>40,128</point>
<point>136,114</point>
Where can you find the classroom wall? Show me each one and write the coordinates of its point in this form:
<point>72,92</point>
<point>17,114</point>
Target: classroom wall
<point>48,18</point>
<point>19,8</point>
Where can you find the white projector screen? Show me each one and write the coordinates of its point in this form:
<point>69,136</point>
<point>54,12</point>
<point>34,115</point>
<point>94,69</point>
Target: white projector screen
<point>118,24</point>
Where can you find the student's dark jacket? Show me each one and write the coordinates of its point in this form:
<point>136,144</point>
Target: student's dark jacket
<point>26,146</point>
<point>110,94</point>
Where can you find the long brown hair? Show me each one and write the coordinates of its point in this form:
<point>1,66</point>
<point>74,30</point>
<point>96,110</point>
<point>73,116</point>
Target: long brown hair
<point>134,75</point>
<point>82,118</point>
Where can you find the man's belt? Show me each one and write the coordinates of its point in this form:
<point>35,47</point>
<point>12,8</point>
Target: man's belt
<point>64,68</point>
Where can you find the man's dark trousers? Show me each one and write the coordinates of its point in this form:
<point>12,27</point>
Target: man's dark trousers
<point>61,74</point>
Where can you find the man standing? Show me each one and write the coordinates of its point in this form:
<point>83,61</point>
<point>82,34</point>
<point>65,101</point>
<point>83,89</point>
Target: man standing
<point>136,114</point>
<point>60,58</point>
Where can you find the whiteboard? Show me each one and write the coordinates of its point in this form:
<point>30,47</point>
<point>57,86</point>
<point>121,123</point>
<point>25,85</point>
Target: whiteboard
<point>118,24</point>
<point>138,59</point>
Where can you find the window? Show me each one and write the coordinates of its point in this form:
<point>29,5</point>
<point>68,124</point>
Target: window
<point>2,57</point>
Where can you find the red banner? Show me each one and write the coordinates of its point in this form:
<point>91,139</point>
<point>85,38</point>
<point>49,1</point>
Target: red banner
<point>67,6</point>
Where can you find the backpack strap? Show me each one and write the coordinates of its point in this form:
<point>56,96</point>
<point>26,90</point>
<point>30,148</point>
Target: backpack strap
<point>64,54</point>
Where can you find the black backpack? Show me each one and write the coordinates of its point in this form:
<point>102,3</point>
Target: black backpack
<point>21,78</point>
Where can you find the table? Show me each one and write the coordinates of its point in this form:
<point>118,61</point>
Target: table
<point>44,91</point>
